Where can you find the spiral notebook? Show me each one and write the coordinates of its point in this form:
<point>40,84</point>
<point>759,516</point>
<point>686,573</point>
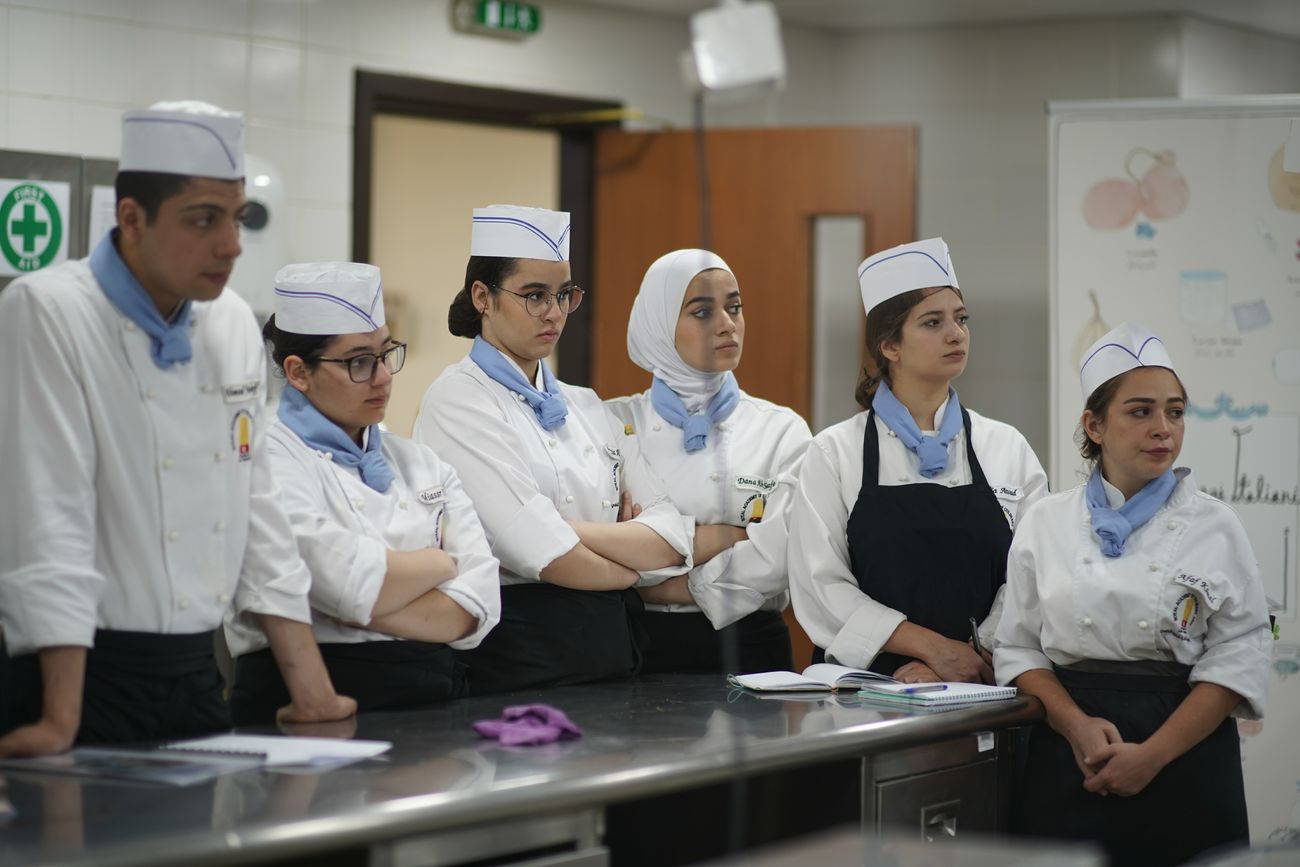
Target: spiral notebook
<point>952,694</point>
<point>277,750</point>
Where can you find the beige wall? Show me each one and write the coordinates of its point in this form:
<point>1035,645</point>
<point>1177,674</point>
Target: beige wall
<point>428,177</point>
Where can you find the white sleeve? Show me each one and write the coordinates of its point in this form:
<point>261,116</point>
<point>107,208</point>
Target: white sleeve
<point>657,511</point>
<point>477,585</point>
<point>465,428</point>
<point>1018,643</point>
<point>754,570</point>
<point>49,584</point>
<point>1033,479</point>
<point>273,578</point>
<point>1237,638</point>
<point>828,603</point>
<point>347,567</point>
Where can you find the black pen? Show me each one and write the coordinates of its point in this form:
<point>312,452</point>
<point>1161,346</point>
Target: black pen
<point>975,637</point>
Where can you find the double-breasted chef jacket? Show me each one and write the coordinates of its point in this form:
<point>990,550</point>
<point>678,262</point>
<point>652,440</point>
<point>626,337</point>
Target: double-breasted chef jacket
<point>137,498</point>
<point>828,601</point>
<point>344,530</point>
<point>525,482</point>
<point>745,476</point>
<point>1186,590</point>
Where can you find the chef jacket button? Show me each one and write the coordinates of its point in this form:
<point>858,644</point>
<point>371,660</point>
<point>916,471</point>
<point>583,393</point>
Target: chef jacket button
<point>168,463</point>
<point>219,526</point>
<point>150,394</point>
<point>223,598</point>
<point>656,426</point>
<point>713,477</point>
<point>172,536</point>
<point>1142,624</point>
<point>588,448</point>
<point>722,425</point>
<point>605,504</point>
<point>1087,560</point>
<point>1173,525</point>
<point>218,456</point>
<point>569,498</point>
<point>902,480</point>
<point>519,397</point>
<point>1154,567</point>
<point>402,504</point>
<point>205,388</point>
<point>553,443</point>
<point>183,604</point>
<point>1087,621</point>
<point>130,326</point>
<point>952,483</point>
<point>357,504</point>
<point>891,433</point>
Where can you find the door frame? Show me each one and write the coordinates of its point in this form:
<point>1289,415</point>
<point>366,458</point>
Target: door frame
<point>383,93</point>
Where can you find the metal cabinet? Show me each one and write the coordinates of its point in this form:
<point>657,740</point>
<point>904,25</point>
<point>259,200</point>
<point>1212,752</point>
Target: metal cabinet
<point>938,791</point>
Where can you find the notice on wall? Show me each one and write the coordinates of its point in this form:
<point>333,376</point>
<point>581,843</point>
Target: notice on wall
<point>103,214</point>
<point>33,225</point>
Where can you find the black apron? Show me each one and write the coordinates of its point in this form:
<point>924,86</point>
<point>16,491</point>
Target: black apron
<point>687,642</point>
<point>1197,802</point>
<point>555,636</point>
<point>140,686</point>
<point>380,675</point>
<point>936,553</point>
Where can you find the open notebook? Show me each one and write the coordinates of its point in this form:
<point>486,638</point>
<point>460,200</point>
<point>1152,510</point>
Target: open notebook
<point>815,678</point>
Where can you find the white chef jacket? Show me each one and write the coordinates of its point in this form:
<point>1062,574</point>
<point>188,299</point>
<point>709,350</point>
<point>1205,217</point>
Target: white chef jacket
<point>135,498</point>
<point>1186,589</point>
<point>828,602</point>
<point>525,482</point>
<point>345,530</point>
<point>750,460</point>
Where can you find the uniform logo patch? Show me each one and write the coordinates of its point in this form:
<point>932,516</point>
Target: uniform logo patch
<point>240,391</point>
<point>1185,612</point>
<point>241,434</point>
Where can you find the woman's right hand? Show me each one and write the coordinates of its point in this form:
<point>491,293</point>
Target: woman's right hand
<point>956,661</point>
<point>1087,735</point>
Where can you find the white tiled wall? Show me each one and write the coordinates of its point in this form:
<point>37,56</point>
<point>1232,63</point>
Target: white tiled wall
<point>69,67</point>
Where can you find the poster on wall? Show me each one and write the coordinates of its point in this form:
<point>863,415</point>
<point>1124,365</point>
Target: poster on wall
<point>33,224</point>
<point>1179,216</point>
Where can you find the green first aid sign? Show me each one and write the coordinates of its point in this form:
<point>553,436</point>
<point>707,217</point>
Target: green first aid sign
<point>33,225</point>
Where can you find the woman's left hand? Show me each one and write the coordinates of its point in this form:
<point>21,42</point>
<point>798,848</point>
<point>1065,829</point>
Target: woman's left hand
<point>916,672</point>
<point>627,510</point>
<point>1126,769</point>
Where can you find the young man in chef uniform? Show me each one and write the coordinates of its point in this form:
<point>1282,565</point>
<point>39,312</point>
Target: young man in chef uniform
<point>138,507</point>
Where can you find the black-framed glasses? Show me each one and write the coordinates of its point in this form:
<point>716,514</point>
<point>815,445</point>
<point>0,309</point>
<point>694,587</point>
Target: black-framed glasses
<point>539,301</point>
<point>361,368</point>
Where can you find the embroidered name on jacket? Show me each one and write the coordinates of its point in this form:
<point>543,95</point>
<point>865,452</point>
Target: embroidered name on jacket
<point>240,391</point>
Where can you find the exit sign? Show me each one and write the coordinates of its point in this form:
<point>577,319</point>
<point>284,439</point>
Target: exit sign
<point>504,18</point>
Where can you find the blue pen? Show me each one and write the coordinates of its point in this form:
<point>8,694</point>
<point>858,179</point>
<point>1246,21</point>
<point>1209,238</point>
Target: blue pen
<point>925,687</point>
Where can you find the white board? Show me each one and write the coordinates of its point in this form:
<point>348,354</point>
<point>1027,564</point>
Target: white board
<point>1178,215</point>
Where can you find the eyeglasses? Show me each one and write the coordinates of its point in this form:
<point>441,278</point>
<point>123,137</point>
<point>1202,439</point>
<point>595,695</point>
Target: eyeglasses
<point>539,301</point>
<point>361,368</point>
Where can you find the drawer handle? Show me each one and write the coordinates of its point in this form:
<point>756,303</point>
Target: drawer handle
<point>939,821</point>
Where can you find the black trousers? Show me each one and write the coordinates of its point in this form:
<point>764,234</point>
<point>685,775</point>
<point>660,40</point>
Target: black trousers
<point>554,636</point>
<point>140,686</point>
<point>1196,803</point>
<point>687,642</point>
<point>380,675</point>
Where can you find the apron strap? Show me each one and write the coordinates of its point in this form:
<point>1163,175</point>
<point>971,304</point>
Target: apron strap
<point>870,453</point>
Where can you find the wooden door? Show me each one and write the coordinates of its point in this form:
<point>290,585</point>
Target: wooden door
<point>766,186</point>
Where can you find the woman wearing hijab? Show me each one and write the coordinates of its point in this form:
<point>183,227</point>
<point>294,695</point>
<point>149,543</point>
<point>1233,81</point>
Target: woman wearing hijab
<point>728,459</point>
<point>569,506</point>
<point>1136,614</point>
<point>401,571</point>
<point>900,528</point>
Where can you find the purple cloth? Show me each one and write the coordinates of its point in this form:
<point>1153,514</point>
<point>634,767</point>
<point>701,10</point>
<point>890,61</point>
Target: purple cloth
<point>528,724</point>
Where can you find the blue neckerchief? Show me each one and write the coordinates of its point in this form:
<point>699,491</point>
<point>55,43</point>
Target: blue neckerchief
<point>548,406</point>
<point>1114,526</point>
<point>318,432</point>
<point>695,428</point>
<point>169,342</point>
<point>932,450</point>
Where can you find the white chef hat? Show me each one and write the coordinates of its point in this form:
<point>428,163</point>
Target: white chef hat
<point>918,265</point>
<point>1122,348</point>
<point>328,298</point>
<point>512,232</point>
<point>184,138</point>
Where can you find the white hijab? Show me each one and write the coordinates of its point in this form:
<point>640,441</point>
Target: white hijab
<point>652,327</point>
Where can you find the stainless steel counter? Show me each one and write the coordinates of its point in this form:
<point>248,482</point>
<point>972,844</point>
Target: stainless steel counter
<point>642,738</point>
